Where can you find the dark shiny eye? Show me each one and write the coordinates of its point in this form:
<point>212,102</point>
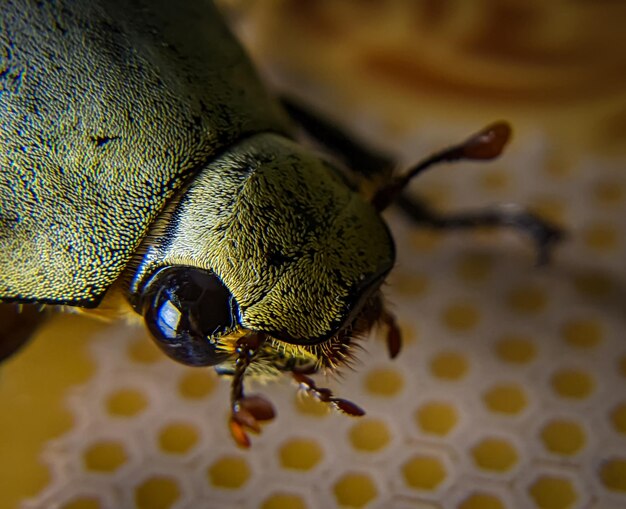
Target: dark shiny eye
<point>185,309</point>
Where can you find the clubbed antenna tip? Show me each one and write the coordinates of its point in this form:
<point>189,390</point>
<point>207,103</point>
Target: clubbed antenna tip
<point>488,143</point>
<point>485,145</point>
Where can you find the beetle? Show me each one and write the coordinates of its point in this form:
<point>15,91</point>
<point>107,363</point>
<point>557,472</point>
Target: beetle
<point>146,172</point>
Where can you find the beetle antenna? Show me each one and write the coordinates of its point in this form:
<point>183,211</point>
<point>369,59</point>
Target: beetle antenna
<point>485,145</point>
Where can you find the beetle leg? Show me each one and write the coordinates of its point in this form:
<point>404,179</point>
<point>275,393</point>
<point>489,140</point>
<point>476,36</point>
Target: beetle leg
<point>543,233</point>
<point>19,322</point>
<point>360,159</point>
<point>394,336</point>
<point>326,395</point>
<point>247,411</point>
<point>486,144</point>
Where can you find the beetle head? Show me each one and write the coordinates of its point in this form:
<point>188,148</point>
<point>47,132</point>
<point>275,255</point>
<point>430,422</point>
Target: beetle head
<point>278,241</point>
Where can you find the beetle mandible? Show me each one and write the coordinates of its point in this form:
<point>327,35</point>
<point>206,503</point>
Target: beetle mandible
<point>145,171</point>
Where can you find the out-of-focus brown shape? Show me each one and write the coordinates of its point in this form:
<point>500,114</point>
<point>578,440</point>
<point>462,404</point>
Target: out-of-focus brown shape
<point>17,326</point>
<point>559,64</point>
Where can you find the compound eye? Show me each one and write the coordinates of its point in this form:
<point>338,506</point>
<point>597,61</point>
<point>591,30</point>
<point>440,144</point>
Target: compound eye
<point>186,309</point>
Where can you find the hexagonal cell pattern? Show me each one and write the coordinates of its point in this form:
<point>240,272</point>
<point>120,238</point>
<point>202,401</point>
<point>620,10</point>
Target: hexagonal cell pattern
<point>437,418</point>
<point>573,383</point>
<point>515,349</point>
<point>384,382</point>
<point>582,333</point>
<point>618,418</point>
<point>613,474</point>
<point>354,490</point>
<point>565,437</point>
<point>424,472</point>
<point>461,317</point>
<point>105,456</point>
<point>82,503</point>
<point>495,455</point>
<point>300,454</point>
<point>126,403</point>
<point>283,501</point>
<point>506,399</point>
<point>144,351</point>
<point>157,493</point>
<point>197,384</point>
<point>553,493</point>
<point>178,437</point>
<point>370,435</point>
<point>449,366</point>
<point>527,299</point>
<point>482,501</point>
<point>229,472</point>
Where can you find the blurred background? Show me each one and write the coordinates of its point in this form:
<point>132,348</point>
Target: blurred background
<point>511,388</point>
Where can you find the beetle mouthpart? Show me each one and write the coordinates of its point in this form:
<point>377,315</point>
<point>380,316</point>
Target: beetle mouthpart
<point>485,145</point>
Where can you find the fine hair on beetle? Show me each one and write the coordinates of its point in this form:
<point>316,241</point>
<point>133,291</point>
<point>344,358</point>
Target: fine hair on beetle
<point>148,174</point>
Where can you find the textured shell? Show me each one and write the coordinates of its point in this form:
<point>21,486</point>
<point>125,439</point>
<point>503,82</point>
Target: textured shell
<point>106,108</point>
<point>297,248</point>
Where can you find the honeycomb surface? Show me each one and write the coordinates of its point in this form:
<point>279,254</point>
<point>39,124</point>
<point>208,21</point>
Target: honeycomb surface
<point>510,390</point>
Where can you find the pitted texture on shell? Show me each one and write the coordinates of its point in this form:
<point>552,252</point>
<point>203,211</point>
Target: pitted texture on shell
<point>105,109</point>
